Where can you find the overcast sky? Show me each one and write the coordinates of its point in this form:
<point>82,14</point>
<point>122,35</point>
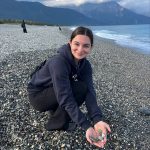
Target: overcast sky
<point>139,6</point>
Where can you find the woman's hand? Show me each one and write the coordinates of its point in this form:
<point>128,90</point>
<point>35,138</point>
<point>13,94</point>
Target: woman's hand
<point>103,127</point>
<point>92,133</point>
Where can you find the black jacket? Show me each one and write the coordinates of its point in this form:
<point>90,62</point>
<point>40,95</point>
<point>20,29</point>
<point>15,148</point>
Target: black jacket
<point>57,73</point>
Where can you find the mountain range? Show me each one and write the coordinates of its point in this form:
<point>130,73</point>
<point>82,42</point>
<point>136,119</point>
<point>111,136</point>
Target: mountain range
<point>108,13</point>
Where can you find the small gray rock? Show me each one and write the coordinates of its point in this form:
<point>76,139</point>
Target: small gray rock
<point>145,111</point>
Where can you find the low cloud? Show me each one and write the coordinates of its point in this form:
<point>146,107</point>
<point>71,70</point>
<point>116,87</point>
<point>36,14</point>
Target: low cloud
<point>68,2</point>
<point>141,7</point>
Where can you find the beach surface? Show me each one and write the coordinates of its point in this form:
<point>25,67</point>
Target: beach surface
<point>121,78</point>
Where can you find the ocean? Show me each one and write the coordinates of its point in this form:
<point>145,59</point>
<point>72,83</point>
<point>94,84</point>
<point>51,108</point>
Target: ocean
<point>132,36</point>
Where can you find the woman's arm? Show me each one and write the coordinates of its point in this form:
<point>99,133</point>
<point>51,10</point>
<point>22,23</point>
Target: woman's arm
<point>93,110</point>
<point>59,71</point>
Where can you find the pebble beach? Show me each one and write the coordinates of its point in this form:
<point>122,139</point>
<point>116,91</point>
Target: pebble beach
<point>121,79</point>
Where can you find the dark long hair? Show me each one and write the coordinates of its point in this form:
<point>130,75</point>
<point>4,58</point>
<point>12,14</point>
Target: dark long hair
<point>82,31</point>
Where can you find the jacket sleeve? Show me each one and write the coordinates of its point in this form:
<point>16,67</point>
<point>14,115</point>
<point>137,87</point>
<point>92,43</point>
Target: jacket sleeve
<point>94,111</point>
<point>60,77</point>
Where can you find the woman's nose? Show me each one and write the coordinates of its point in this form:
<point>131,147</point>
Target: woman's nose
<point>80,48</point>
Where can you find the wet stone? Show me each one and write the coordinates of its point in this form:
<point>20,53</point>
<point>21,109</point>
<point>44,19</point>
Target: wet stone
<point>145,111</point>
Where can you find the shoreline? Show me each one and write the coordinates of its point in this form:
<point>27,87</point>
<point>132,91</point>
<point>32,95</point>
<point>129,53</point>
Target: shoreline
<point>121,78</point>
<point>128,36</point>
<point>131,48</point>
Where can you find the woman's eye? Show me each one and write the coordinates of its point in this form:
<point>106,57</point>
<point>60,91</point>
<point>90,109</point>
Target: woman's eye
<point>76,44</point>
<point>86,46</point>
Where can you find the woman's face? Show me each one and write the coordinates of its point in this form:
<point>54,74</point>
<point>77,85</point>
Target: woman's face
<point>80,46</point>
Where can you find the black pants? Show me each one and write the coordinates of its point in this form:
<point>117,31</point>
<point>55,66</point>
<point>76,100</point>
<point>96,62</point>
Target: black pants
<point>24,30</point>
<point>46,101</point>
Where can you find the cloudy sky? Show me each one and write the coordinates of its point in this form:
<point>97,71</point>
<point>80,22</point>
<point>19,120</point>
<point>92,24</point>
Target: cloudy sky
<point>139,6</point>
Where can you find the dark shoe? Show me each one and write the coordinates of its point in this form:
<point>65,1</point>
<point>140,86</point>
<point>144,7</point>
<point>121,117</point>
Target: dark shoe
<point>58,120</point>
<point>54,124</point>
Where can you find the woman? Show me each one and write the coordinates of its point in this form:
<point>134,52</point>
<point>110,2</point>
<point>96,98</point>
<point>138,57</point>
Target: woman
<point>63,83</point>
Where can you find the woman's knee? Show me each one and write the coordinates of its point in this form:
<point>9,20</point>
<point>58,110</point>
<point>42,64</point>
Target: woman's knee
<point>44,100</point>
<point>35,104</point>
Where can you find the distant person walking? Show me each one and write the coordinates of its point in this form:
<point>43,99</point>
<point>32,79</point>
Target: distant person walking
<point>59,28</point>
<point>23,25</point>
